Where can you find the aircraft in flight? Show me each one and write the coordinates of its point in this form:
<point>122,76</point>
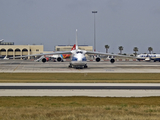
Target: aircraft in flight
<point>149,57</point>
<point>78,58</point>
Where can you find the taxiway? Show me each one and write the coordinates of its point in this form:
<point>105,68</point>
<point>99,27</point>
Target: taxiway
<point>80,89</point>
<point>96,90</point>
<point>15,66</point>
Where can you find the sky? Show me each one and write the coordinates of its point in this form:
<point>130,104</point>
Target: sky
<point>127,23</point>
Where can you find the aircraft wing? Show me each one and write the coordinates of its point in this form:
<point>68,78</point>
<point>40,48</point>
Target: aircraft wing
<point>53,53</point>
<point>109,54</point>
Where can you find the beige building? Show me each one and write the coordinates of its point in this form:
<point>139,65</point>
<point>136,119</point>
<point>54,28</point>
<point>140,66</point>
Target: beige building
<point>68,48</point>
<point>20,50</point>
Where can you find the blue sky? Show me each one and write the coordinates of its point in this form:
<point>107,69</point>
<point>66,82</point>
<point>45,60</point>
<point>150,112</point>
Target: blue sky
<point>127,23</point>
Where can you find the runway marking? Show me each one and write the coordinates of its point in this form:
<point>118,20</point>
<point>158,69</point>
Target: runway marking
<point>16,68</point>
<point>109,70</point>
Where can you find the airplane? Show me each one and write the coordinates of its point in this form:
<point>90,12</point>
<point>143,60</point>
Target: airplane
<point>1,40</point>
<point>4,57</point>
<point>78,58</point>
<point>148,57</point>
<point>55,57</point>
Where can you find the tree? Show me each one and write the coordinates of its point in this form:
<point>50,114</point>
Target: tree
<point>150,49</point>
<point>120,49</point>
<point>135,49</point>
<point>107,47</point>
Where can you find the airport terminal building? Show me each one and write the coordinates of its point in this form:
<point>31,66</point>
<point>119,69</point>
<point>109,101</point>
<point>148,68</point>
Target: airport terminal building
<point>20,50</point>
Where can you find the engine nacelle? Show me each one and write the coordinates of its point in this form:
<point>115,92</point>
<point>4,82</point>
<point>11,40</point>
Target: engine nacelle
<point>44,60</point>
<point>59,59</point>
<point>148,59</point>
<point>47,59</point>
<point>98,59</point>
<point>112,60</point>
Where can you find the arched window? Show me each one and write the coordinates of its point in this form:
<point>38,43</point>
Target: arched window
<point>17,50</point>
<point>24,50</point>
<point>3,50</point>
<point>10,50</point>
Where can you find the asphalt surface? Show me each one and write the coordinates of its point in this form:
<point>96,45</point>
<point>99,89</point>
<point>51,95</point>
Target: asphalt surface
<point>14,66</point>
<point>81,89</point>
<point>84,87</point>
<point>95,90</point>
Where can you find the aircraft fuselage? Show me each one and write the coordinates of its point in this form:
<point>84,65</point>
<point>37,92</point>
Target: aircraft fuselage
<point>78,58</point>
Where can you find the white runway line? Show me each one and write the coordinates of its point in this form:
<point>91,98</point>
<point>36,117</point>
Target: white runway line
<point>79,84</point>
<point>91,93</point>
<point>79,92</point>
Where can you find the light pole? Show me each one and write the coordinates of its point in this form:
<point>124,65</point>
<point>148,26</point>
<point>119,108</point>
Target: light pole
<point>94,30</point>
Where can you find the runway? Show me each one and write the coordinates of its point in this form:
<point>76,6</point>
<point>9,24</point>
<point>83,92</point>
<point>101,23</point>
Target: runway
<point>80,89</point>
<point>15,66</point>
<point>95,90</point>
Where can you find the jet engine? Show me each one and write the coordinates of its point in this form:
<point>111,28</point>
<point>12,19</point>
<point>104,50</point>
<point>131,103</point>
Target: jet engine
<point>112,60</point>
<point>59,59</point>
<point>44,60</point>
<point>47,59</point>
<point>148,59</point>
<point>98,59</point>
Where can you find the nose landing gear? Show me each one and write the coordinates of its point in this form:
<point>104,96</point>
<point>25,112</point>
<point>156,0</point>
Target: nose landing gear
<point>70,66</point>
<point>85,66</point>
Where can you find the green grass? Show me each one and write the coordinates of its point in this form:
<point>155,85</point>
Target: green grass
<point>80,77</point>
<point>79,108</point>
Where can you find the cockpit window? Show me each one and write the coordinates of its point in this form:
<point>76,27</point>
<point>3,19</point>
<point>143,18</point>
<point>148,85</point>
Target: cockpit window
<point>74,59</point>
<point>79,52</point>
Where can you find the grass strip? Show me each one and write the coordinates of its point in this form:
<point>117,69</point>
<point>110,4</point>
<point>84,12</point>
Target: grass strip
<point>79,108</point>
<point>80,77</point>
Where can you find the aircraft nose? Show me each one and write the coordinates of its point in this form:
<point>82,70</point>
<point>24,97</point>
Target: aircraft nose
<point>79,59</point>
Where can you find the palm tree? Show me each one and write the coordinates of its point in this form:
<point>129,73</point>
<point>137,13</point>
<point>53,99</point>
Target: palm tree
<point>135,49</point>
<point>120,49</point>
<point>107,47</point>
<point>150,49</point>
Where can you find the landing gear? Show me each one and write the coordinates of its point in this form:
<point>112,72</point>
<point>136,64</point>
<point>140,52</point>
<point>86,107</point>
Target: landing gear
<point>85,66</point>
<point>80,67</point>
<point>70,66</point>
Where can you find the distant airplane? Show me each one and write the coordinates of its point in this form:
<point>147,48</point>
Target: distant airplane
<point>149,57</point>
<point>3,57</point>
<point>45,58</point>
<point>1,40</point>
<point>78,58</point>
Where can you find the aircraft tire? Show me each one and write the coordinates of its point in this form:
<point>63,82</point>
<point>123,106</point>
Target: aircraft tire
<point>85,66</point>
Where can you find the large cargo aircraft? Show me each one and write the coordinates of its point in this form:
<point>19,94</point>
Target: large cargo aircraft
<point>78,58</point>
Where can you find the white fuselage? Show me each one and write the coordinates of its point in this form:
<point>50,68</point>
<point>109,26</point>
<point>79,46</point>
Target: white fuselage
<point>148,57</point>
<point>78,58</point>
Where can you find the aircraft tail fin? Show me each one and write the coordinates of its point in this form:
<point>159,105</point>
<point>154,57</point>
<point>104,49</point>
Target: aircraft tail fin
<point>74,47</point>
<point>5,58</point>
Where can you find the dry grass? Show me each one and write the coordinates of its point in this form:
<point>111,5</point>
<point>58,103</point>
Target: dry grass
<point>79,108</point>
<point>80,77</point>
